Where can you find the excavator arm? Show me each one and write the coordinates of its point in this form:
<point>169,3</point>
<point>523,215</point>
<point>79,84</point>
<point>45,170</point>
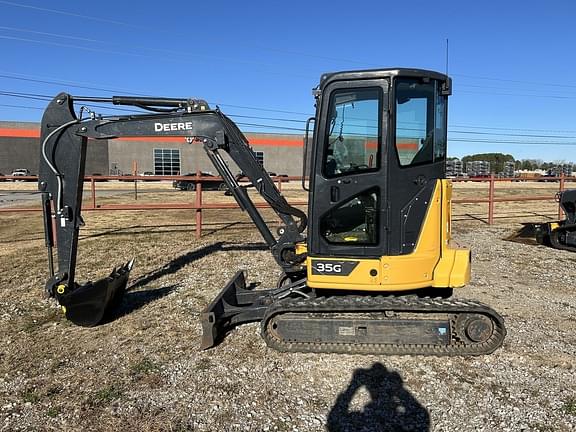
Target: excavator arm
<point>64,140</point>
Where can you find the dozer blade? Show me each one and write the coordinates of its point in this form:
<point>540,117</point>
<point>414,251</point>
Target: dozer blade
<point>92,303</point>
<point>531,234</point>
<point>236,304</point>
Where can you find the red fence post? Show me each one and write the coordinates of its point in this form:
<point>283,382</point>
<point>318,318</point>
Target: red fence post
<point>135,173</point>
<point>561,189</point>
<point>54,233</point>
<point>198,204</point>
<point>491,201</point>
<point>93,192</point>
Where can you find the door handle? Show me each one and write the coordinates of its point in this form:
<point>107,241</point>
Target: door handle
<point>334,194</point>
<point>420,180</point>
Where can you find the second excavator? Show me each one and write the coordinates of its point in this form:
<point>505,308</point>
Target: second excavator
<point>370,269</point>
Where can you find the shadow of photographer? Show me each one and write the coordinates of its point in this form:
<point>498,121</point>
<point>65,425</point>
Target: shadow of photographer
<point>391,408</point>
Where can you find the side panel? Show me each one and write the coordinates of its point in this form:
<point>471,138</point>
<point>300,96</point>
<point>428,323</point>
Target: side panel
<point>433,263</point>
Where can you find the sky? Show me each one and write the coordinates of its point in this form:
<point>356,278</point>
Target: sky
<point>512,62</point>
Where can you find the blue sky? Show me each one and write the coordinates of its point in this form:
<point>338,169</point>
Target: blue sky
<point>512,62</point>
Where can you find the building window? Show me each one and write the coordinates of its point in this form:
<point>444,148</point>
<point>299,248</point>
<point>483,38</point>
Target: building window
<point>166,161</point>
<point>259,157</point>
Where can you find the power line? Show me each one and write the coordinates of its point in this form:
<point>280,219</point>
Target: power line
<point>132,92</point>
<point>539,83</point>
<point>47,98</point>
<point>178,59</point>
<point>75,84</point>
<point>513,135</point>
<point>517,95</point>
<point>545,143</point>
<point>225,60</point>
<point>61,12</point>
<point>21,106</point>
<point>480,86</point>
<point>514,129</point>
<point>195,55</point>
<point>69,84</point>
<point>171,33</point>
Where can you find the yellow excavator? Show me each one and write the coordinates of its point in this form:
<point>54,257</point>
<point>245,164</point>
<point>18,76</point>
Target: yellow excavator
<point>370,268</point>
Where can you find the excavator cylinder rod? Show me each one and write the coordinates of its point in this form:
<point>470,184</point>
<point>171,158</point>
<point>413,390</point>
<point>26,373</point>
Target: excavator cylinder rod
<point>383,325</point>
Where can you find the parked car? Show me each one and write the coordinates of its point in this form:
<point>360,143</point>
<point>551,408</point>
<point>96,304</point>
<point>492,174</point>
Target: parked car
<point>149,174</point>
<point>21,172</point>
<point>190,185</point>
<point>122,178</point>
<point>2,179</point>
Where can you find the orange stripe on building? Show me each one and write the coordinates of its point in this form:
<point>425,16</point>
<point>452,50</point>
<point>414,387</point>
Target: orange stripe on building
<point>271,142</point>
<point>179,139</point>
<point>276,142</point>
<point>19,133</point>
<point>407,146</point>
<point>256,141</point>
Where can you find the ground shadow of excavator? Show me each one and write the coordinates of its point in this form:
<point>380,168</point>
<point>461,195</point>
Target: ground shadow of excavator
<point>135,298</point>
<point>391,409</point>
<point>177,263</point>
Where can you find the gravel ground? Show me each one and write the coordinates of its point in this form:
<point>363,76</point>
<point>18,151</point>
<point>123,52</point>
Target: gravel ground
<point>144,372</point>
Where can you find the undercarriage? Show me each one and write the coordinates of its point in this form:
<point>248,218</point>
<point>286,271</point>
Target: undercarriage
<point>295,318</point>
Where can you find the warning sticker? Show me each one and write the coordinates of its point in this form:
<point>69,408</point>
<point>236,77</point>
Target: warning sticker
<point>346,331</point>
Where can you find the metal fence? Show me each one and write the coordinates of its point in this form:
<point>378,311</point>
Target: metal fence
<point>198,204</point>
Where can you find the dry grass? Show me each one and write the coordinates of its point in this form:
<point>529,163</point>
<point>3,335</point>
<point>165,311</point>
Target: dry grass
<point>144,371</point>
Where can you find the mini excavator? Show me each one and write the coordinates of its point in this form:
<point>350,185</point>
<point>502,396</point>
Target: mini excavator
<point>371,269</point>
<point>561,234</point>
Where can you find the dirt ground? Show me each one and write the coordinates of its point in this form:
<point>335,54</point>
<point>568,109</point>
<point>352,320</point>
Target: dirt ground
<point>144,371</point>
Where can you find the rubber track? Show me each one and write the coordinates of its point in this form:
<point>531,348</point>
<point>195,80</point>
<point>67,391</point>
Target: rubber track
<point>555,238</point>
<point>363,304</point>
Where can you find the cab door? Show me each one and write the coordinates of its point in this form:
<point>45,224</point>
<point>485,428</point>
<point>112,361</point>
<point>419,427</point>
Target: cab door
<point>348,210</point>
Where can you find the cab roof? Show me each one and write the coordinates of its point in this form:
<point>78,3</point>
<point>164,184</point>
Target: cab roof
<point>330,77</point>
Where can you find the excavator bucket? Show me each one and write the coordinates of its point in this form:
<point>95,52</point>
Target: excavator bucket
<point>93,303</point>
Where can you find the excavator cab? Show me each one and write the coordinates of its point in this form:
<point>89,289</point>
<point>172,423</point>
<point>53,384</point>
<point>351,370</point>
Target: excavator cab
<point>380,213</point>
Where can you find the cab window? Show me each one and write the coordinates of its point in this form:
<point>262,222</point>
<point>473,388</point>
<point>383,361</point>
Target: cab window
<point>420,122</point>
<point>352,141</point>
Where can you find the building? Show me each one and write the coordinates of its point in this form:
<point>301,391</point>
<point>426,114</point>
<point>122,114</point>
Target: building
<point>20,148</point>
<point>454,168</point>
<point>509,169</point>
<point>478,168</point>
